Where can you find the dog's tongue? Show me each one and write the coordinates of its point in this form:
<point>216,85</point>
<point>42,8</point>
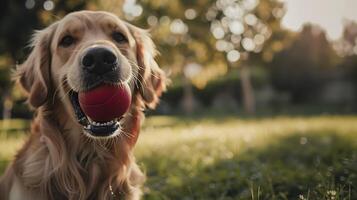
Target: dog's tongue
<point>106,102</point>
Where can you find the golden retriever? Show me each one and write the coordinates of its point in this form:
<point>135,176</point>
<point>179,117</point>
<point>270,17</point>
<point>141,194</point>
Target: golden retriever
<point>63,157</point>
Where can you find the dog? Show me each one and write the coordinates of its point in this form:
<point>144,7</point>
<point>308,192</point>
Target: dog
<point>65,156</point>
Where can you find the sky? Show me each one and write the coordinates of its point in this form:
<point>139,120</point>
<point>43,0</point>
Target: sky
<point>328,14</point>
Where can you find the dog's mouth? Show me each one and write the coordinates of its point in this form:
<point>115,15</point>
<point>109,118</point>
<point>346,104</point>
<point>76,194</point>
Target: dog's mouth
<point>96,129</point>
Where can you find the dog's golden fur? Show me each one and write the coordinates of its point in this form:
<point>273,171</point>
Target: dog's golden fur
<point>59,161</point>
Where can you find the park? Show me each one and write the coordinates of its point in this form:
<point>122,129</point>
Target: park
<point>252,108</point>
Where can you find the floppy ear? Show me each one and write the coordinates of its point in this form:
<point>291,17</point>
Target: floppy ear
<point>34,73</point>
<point>152,80</point>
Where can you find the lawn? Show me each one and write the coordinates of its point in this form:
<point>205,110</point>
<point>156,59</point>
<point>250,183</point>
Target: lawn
<point>311,157</point>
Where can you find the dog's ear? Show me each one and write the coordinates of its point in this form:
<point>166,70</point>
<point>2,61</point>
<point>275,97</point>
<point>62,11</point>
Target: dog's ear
<point>34,73</point>
<point>151,79</point>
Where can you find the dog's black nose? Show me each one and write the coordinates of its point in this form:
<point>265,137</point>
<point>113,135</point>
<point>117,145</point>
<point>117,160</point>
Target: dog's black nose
<point>99,60</point>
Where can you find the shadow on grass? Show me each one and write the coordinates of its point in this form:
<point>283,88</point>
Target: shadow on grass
<point>313,166</point>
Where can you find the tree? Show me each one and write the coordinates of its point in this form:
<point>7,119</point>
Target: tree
<point>347,45</point>
<point>181,32</point>
<point>19,19</point>
<point>244,29</point>
<point>347,48</point>
<point>304,67</point>
<point>193,31</point>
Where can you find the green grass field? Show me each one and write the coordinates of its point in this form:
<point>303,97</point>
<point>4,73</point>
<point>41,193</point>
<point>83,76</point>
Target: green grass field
<point>249,158</point>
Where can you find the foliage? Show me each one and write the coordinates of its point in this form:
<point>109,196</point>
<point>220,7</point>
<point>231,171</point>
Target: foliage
<point>350,66</point>
<point>303,68</point>
<point>201,32</point>
<point>247,30</point>
<point>190,35</point>
<point>182,35</point>
<point>347,47</point>
<point>19,19</point>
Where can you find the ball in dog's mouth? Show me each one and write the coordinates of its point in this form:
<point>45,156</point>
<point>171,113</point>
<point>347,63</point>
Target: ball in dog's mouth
<point>100,109</point>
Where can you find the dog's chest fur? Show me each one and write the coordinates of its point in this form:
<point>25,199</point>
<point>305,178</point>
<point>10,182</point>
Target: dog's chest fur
<point>49,166</point>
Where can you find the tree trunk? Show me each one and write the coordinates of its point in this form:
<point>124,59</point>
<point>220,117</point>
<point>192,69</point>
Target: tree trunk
<point>188,99</point>
<point>247,90</point>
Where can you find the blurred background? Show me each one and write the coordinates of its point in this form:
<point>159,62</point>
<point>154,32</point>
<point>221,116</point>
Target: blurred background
<point>262,99</point>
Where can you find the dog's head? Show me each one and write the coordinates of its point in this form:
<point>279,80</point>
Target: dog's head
<point>86,49</point>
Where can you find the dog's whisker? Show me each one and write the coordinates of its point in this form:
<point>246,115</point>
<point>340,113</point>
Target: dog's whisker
<point>61,86</point>
<point>128,135</point>
<point>139,79</point>
<point>56,91</point>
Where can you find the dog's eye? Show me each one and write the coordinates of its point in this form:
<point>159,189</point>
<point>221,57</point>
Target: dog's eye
<point>67,41</point>
<point>119,37</point>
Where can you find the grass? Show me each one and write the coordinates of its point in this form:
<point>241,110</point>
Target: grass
<point>311,157</point>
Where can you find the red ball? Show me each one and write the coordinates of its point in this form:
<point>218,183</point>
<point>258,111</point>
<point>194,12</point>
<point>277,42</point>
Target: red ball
<point>106,102</point>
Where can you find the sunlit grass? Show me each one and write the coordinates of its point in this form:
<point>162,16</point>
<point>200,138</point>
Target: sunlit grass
<point>8,147</point>
<point>267,158</point>
<point>235,158</point>
<point>11,138</point>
